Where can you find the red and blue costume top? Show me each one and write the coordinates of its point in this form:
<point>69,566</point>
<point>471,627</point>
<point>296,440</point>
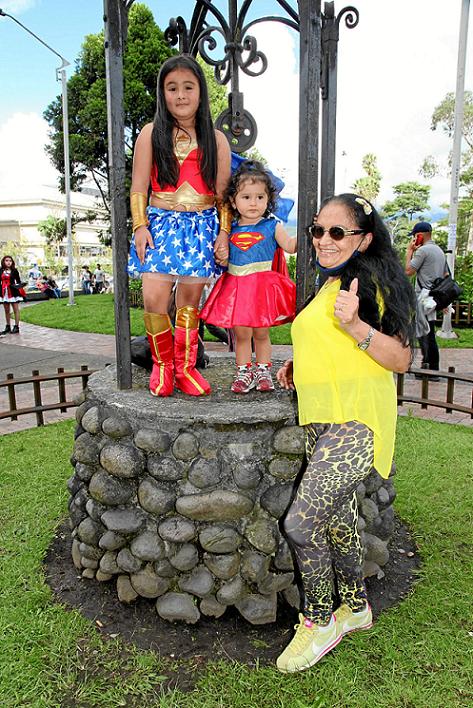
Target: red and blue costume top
<point>183,227</point>
<point>251,293</point>
<point>191,189</point>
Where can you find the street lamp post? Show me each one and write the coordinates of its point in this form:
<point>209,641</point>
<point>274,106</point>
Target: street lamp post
<point>60,75</point>
<point>446,332</point>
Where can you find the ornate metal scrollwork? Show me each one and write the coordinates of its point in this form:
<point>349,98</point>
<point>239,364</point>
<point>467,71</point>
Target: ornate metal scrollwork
<point>240,52</point>
<point>330,36</point>
<point>352,16</point>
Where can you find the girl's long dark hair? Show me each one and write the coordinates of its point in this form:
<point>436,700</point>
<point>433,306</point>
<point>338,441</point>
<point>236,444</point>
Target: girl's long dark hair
<point>164,123</point>
<point>2,264</point>
<point>379,271</point>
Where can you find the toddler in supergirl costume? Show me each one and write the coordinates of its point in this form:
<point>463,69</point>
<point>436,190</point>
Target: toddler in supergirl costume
<point>251,296</point>
<point>179,235</point>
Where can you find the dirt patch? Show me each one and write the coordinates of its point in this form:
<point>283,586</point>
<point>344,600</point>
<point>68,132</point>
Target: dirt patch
<point>229,637</point>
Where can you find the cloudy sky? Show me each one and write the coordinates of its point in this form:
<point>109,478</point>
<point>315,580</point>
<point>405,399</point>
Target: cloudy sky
<point>394,68</point>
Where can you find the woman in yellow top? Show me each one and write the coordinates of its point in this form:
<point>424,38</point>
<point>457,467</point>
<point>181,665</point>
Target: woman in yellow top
<point>347,342</point>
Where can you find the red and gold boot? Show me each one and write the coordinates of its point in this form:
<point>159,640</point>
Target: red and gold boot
<point>158,329</point>
<point>186,334</point>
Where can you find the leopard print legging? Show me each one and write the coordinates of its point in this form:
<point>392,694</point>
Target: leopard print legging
<point>321,524</point>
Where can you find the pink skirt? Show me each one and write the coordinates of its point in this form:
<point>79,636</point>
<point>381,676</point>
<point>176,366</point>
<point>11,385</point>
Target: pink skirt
<point>261,299</point>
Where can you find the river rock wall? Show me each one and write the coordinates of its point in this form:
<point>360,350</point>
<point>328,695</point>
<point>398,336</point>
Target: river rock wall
<point>179,499</point>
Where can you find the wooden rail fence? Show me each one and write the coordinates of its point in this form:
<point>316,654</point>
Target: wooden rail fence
<point>449,404</point>
<point>62,404</point>
<point>462,315</point>
<point>465,405</point>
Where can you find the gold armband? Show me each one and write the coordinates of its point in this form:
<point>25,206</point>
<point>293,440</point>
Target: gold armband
<point>225,216</point>
<point>138,204</point>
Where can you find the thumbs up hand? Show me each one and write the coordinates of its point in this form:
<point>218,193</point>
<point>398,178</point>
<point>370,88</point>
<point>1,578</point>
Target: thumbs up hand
<point>346,305</point>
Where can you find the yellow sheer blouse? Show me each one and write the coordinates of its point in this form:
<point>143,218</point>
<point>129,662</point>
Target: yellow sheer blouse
<point>336,382</point>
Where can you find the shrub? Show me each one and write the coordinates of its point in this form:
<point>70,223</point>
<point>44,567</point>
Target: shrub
<point>464,276</point>
<point>291,266</point>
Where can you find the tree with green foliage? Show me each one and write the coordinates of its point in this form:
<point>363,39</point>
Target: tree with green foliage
<point>443,118</point>
<point>369,185</point>
<point>145,52</point>
<point>218,97</point>
<point>54,229</point>
<point>411,198</point>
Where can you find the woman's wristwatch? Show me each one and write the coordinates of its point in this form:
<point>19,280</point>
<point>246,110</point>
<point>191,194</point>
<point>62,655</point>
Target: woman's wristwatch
<point>364,344</point>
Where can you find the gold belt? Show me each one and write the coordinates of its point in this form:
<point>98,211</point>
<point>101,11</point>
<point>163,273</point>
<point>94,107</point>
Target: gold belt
<point>197,202</point>
<point>250,268</point>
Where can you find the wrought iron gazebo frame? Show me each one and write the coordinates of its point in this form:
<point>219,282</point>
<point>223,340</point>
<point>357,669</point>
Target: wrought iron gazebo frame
<point>318,41</point>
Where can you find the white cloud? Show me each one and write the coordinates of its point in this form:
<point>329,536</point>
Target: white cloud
<point>24,165</point>
<point>394,68</point>
<point>273,100</point>
<point>17,6</point>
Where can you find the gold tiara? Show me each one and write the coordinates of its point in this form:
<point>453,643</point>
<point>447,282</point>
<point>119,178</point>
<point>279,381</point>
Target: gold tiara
<point>367,208</point>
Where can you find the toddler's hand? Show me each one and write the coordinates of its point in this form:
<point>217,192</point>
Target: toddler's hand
<point>221,249</point>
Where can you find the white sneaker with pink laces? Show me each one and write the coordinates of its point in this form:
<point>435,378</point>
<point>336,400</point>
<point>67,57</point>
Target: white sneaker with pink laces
<point>263,378</point>
<point>244,380</point>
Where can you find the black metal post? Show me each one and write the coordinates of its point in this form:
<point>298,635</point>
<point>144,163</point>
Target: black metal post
<point>329,101</point>
<point>328,80</point>
<point>115,19</point>
<point>309,89</point>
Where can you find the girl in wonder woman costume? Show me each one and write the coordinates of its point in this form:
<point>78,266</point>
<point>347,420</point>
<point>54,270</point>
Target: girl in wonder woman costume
<point>178,234</point>
<point>251,297</point>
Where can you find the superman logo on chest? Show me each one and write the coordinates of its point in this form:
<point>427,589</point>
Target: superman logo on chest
<point>246,239</point>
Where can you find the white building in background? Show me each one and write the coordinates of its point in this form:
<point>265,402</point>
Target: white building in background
<point>19,233</point>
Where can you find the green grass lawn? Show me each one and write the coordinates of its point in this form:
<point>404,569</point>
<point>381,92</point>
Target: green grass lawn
<point>418,655</point>
<point>94,313</point>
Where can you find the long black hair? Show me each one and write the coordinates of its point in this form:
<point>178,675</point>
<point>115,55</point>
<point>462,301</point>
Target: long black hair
<point>251,171</point>
<point>2,264</point>
<point>379,273</point>
<point>164,123</point>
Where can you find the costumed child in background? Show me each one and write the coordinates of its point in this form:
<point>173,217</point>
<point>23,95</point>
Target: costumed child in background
<point>12,293</point>
<point>251,297</point>
<point>179,235</point>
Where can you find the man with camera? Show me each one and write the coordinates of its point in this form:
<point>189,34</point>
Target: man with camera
<point>427,262</point>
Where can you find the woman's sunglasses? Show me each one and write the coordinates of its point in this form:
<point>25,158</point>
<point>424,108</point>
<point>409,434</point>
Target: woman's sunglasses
<point>335,232</point>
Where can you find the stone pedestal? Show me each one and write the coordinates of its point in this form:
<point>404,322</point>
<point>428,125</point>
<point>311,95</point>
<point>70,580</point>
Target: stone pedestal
<point>179,498</point>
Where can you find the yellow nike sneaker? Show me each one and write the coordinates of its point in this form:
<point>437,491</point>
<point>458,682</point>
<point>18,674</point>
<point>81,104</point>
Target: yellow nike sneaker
<point>310,643</point>
<point>349,621</point>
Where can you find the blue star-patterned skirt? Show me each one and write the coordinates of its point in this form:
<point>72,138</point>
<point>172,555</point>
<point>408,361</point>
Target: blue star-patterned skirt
<point>183,244</point>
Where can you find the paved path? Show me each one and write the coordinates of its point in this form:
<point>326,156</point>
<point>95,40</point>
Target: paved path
<point>47,349</point>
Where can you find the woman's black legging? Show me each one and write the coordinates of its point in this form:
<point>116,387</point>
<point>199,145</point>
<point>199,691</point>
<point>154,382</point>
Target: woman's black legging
<point>321,524</point>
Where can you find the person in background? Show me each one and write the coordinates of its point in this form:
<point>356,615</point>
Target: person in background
<point>34,274</point>
<point>86,280</point>
<point>347,342</point>
<point>11,294</point>
<point>99,279</point>
<point>49,287</point>
<point>426,261</point>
